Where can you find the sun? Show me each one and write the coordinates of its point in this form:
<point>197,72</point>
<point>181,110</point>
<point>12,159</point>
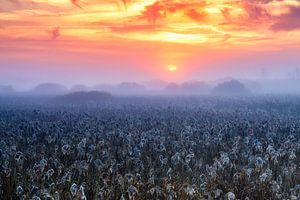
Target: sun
<point>172,68</point>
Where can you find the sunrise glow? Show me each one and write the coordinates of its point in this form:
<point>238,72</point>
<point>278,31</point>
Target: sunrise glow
<point>172,68</point>
<point>104,39</point>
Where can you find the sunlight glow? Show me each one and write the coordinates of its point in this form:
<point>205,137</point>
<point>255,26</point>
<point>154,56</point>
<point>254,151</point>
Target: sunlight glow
<point>157,38</point>
<point>172,68</point>
<point>182,22</point>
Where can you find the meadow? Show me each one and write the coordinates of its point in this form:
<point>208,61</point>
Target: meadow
<point>139,148</point>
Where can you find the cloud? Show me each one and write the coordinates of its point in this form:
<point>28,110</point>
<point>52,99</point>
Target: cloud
<point>80,4</point>
<point>196,15</point>
<point>76,3</point>
<point>126,2</point>
<point>24,5</point>
<point>289,21</point>
<point>148,19</point>
<point>255,11</point>
<point>246,14</point>
<point>153,12</point>
<point>161,9</point>
<point>134,28</point>
<point>55,33</point>
<point>226,13</point>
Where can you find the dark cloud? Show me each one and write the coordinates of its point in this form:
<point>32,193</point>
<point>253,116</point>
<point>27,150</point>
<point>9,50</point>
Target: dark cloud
<point>255,11</point>
<point>55,33</point>
<point>289,21</point>
<point>256,14</point>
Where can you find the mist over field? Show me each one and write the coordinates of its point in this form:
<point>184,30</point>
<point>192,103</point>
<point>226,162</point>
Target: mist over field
<point>224,139</point>
<point>225,86</point>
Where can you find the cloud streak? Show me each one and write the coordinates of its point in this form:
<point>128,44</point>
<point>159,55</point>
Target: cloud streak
<point>135,28</point>
<point>164,8</point>
<point>180,21</point>
<point>55,33</point>
<point>76,3</point>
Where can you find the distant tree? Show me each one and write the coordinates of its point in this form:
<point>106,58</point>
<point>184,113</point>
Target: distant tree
<point>83,97</point>
<point>297,73</point>
<point>232,87</point>
<point>264,73</point>
<point>49,89</point>
<point>6,89</point>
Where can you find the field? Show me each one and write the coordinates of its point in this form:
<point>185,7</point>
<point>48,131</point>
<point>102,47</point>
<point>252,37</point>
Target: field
<point>151,148</point>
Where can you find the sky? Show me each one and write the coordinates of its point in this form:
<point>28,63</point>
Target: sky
<point>110,41</point>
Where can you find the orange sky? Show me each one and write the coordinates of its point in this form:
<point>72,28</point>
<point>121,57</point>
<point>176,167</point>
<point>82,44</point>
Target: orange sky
<point>142,37</point>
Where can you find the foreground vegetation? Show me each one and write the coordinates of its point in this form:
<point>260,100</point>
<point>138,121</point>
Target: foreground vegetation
<point>151,148</point>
